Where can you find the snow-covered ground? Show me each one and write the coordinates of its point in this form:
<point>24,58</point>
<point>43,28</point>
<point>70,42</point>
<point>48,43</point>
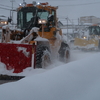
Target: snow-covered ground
<point>77,80</point>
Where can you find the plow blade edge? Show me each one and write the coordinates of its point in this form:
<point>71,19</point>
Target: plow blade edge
<point>82,42</point>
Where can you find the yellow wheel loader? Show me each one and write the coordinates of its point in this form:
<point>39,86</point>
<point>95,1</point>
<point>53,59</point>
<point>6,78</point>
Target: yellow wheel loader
<point>89,38</point>
<point>35,41</point>
<point>3,21</point>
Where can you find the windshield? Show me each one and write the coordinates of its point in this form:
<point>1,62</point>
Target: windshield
<point>29,15</point>
<point>25,16</point>
<point>20,19</point>
<point>94,30</point>
<point>43,14</point>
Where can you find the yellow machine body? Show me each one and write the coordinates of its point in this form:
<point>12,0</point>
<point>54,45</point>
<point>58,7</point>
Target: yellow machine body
<point>89,39</point>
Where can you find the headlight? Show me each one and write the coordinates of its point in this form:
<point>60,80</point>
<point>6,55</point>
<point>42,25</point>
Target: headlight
<point>42,21</point>
<point>3,22</point>
<point>20,4</point>
<point>84,37</point>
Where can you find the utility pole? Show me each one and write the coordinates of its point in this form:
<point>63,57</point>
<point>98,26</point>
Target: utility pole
<point>67,26</point>
<point>12,9</point>
<point>73,27</point>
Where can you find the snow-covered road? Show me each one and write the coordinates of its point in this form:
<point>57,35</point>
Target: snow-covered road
<point>79,54</point>
<point>74,56</point>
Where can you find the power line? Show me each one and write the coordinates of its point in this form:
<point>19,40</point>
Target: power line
<point>7,9</point>
<point>59,0</point>
<point>80,4</point>
<point>5,5</point>
<point>4,8</point>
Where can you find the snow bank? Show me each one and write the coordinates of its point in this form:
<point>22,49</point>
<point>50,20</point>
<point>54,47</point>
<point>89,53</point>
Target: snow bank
<point>78,80</point>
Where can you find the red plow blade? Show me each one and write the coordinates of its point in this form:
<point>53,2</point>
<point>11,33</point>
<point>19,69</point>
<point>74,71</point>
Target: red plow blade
<point>16,56</point>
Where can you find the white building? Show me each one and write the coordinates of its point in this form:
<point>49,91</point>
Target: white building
<point>89,19</point>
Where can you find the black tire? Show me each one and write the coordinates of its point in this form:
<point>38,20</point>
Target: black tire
<point>67,55</point>
<point>64,52</point>
<point>99,45</point>
<point>43,57</point>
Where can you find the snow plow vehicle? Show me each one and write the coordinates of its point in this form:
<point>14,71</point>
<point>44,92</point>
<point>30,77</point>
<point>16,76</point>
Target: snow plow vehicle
<point>35,41</point>
<point>3,21</point>
<point>89,39</point>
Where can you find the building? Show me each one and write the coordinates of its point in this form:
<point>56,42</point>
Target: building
<point>89,19</point>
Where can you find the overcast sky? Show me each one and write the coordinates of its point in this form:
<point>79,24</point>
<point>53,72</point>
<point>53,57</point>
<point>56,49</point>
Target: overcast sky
<point>66,8</point>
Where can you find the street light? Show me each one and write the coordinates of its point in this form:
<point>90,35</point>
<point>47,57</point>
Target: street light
<point>12,9</point>
<point>67,26</point>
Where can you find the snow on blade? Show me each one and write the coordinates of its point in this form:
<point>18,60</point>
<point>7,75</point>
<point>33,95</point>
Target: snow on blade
<point>24,51</point>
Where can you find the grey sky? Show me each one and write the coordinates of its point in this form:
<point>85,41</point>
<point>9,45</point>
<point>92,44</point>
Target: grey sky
<point>66,8</point>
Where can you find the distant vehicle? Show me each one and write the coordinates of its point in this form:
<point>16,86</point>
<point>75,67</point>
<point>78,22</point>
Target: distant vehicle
<point>3,21</point>
<point>89,39</point>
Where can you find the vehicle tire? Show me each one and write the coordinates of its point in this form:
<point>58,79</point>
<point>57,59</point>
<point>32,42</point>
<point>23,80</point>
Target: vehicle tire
<point>99,45</point>
<point>67,55</point>
<point>43,57</point>
<point>64,53</point>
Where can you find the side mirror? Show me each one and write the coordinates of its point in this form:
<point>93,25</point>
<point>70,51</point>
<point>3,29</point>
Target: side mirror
<point>9,19</point>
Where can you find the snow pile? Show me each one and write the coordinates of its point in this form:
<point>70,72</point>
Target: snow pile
<point>40,39</point>
<point>78,80</point>
<point>3,69</point>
